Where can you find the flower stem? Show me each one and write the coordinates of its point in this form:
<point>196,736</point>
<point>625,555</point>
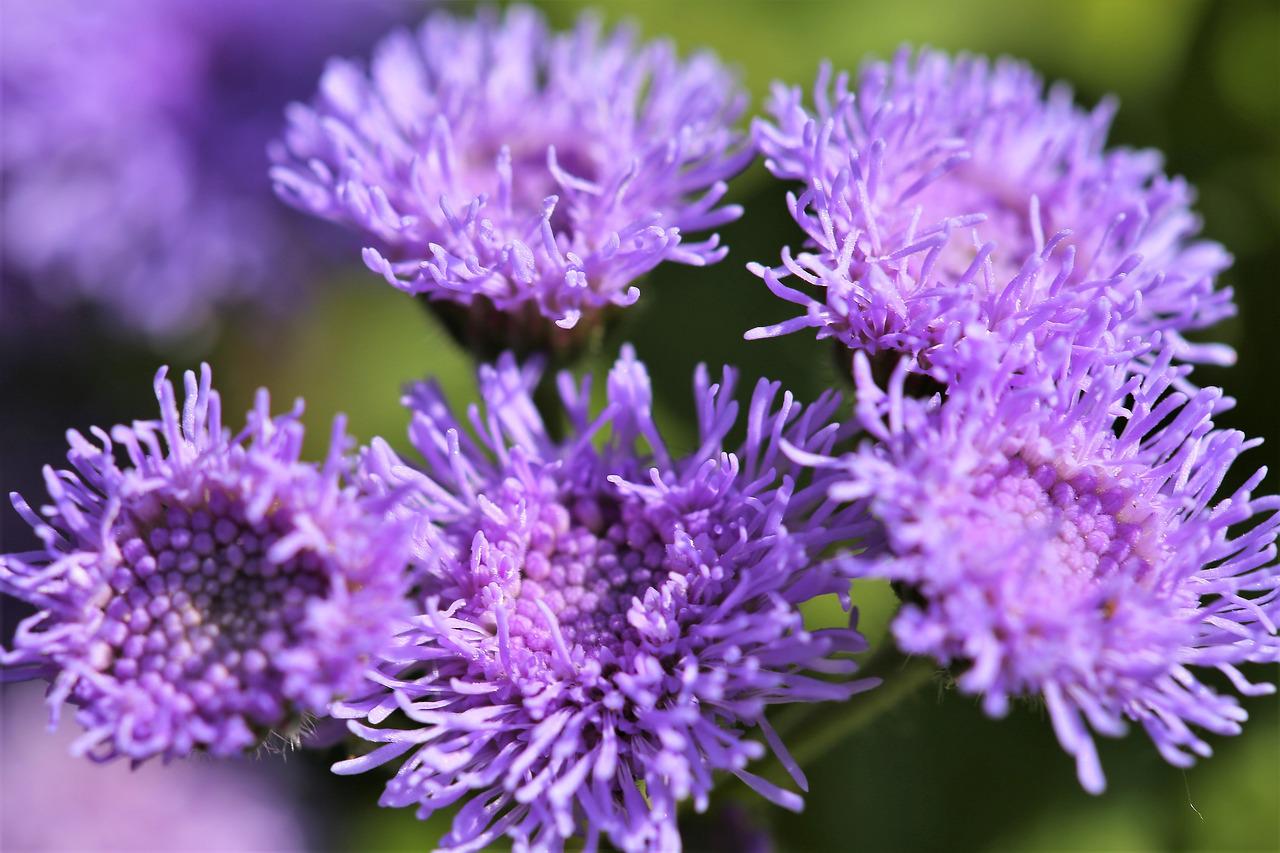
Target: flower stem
<point>827,724</point>
<point>546,399</point>
<point>811,729</point>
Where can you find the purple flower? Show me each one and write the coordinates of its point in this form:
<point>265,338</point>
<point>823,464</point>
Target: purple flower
<point>135,136</point>
<point>1064,541</point>
<point>210,591</point>
<point>938,192</point>
<point>603,626</point>
<point>489,162</point>
<point>55,803</point>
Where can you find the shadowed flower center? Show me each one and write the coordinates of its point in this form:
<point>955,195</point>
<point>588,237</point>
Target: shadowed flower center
<point>199,606</point>
<point>586,563</point>
<point>1084,527</point>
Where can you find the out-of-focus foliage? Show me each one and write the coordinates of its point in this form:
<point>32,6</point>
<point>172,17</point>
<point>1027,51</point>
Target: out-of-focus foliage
<point>1199,80</point>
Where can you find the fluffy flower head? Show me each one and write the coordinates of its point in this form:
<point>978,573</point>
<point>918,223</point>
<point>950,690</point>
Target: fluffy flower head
<point>542,172</point>
<point>937,192</point>
<point>1064,541</point>
<point>603,625</point>
<point>209,591</point>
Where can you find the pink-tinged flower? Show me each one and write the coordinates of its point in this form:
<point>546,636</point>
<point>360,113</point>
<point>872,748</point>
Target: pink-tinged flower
<point>936,192</point>
<point>54,803</point>
<point>494,164</point>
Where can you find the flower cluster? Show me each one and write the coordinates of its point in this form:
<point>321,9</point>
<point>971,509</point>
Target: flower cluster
<point>557,622</point>
<point>208,593</point>
<point>490,163</point>
<point>937,193</point>
<point>603,625</point>
<point>1050,517</point>
<point>1055,545</point>
<point>133,152</point>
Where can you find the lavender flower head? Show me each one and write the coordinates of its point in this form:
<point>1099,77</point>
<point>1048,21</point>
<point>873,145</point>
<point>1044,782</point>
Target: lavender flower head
<point>209,592</point>
<point>938,192</point>
<point>496,165</point>
<point>53,802</point>
<point>1065,542</point>
<point>134,148</point>
<point>603,626</point>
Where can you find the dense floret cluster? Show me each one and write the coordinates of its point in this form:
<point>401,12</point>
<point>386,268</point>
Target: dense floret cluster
<point>1052,543</point>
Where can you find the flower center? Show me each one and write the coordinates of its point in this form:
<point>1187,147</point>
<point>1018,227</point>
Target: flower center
<point>531,180</point>
<point>1084,526</point>
<point>582,555</point>
<point>556,553</point>
<point>971,189</point>
<point>200,608</point>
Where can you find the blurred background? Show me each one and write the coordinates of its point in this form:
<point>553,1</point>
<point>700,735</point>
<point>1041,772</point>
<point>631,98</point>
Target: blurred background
<point>1198,80</point>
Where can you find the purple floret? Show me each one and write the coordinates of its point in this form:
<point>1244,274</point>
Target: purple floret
<point>208,590</point>
<point>1064,541</point>
<point>603,625</point>
<point>936,192</point>
<point>490,159</point>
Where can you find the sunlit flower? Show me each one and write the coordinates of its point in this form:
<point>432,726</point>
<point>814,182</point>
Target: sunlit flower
<point>938,192</point>
<point>491,163</point>
<point>604,625</point>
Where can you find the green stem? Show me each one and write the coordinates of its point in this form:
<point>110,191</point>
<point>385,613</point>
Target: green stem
<point>809,730</point>
<point>832,722</point>
<point>546,399</point>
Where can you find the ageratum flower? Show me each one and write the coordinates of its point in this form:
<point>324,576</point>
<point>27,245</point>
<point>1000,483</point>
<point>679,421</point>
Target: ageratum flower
<point>207,593</point>
<point>234,805</point>
<point>603,626</point>
<point>134,144</point>
<point>493,164</point>
<point>1066,543</point>
<point>938,192</point>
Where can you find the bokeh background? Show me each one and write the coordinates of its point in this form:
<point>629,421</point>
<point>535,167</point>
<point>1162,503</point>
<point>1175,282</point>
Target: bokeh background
<point>1198,80</point>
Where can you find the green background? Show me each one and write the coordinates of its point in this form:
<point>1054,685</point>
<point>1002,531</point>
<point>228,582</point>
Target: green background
<point>1201,81</point>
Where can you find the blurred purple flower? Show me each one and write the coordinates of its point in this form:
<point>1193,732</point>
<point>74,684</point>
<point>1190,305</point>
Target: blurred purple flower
<point>603,626</point>
<point>1064,541</point>
<point>210,592</point>
<point>227,806</point>
<point>491,160</point>
<point>134,146</point>
<point>938,192</point>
